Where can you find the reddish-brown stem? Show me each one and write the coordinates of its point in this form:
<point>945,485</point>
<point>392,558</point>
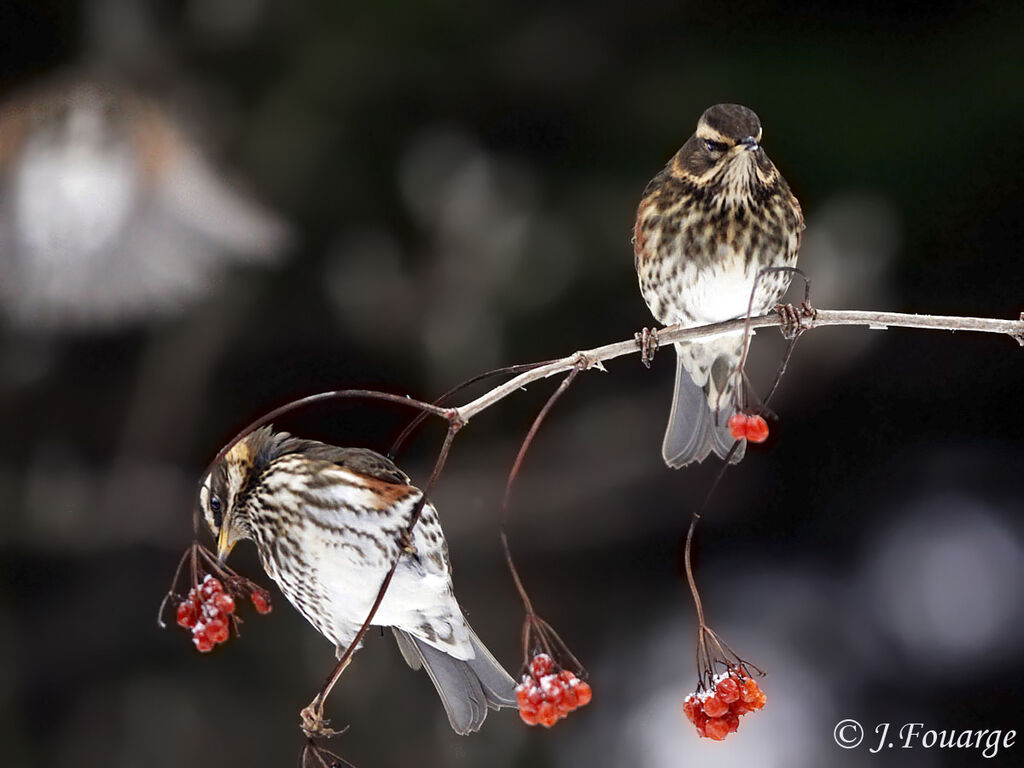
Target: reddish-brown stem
<point>528,440</point>
<point>190,552</point>
<point>527,603</point>
<point>689,572</point>
<point>687,548</point>
<point>514,473</point>
<point>539,635</point>
<point>791,345</point>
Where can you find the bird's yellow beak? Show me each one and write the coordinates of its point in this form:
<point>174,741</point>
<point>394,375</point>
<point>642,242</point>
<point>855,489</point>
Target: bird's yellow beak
<point>224,543</point>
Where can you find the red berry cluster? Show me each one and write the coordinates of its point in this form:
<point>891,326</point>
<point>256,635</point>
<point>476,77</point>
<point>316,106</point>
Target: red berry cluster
<point>716,713</point>
<point>753,428</point>
<point>546,694</point>
<point>208,610</point>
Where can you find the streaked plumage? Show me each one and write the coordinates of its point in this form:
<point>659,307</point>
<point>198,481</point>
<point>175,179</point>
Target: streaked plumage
<point>109,214</point>
<point>709,221</point>
<point>326,522</point>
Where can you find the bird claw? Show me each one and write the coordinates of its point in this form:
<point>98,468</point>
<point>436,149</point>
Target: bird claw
<point>647,339</point>
<point>790,318</point>
<point>314,725</point>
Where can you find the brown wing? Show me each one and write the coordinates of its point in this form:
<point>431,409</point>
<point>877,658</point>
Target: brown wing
<point>361,460</point>
<point>367,462</point>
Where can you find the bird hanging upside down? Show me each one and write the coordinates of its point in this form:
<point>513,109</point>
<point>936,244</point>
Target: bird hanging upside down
<point>327,523</point>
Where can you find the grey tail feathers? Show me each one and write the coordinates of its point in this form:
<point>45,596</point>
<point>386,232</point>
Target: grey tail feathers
<point>467,688</point>
<point>693,432</point>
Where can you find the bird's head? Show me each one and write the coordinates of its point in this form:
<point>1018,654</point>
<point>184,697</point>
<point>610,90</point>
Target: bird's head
<point>225,494</point>
<point>727,141</point>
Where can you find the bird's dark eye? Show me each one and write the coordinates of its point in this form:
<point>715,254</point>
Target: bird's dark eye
<point>714,146</point>
<point>217,508</point>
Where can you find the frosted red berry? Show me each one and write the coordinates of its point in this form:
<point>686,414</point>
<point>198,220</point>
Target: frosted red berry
<point>224,602</point>
<point>728,690</point>
<point>260,602</point>
<point>187,614</point>
<point>732,720</point>
<point>700,722</point>
<point>752,694</point>
<point>202,642</point>
<point>583,693</point>
<point>714,706</point>
<point>691,707</point>
<point>210,587</point>
<point>541,665</point>
<point>716,728</point>
<point>570,699</point>
<point>547,714</point>
<point>217,630</point>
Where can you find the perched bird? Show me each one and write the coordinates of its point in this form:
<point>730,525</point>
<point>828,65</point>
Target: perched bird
<point>709,221</point>
<point>109,214</point>
<point>327,522</point>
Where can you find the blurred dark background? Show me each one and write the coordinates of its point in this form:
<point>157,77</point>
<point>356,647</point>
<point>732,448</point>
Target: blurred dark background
<point>212,206</point>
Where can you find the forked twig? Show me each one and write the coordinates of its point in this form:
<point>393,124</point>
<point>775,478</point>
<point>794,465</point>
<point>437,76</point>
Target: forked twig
<point>421,417</point>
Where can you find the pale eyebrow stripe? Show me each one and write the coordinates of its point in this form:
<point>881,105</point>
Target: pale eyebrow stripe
<point>706,132</point>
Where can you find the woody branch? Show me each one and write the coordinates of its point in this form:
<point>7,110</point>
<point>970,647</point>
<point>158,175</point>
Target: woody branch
<point>593,358</point>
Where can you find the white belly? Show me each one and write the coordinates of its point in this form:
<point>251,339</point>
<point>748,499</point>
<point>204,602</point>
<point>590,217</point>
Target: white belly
<point>723,291</point>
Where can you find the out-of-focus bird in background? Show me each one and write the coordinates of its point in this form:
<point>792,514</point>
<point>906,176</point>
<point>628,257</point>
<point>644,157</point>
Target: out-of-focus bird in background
<point>716,215</point>
<point>109,215</point>
<point>327,522</point>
